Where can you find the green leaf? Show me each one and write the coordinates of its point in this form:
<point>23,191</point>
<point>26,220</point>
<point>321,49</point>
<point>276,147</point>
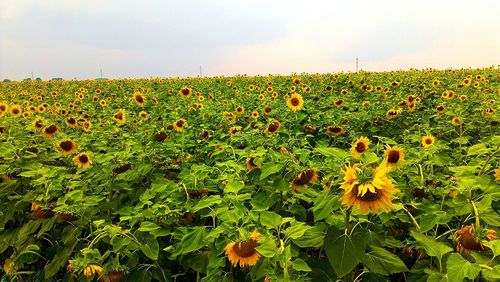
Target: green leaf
<point>459,268</point>
<point>324,205</point>
<point>332,152</point>
<point>478,149</point>
<point>491,275</point>
<point>207,202</point>
<point>194,240</point>
<point>234,186</point>
<point>494,247</point>
<point>300,265</point>
<point>312,238</point>
<point>269,169</point>
<point>270,219</point>
<point>381,261</point>
<point>431,245</point>
<point>147,226</point>
<point>267,247</point>
<point>151,249</point>
<point>296,230</point>
<point>343,252</point>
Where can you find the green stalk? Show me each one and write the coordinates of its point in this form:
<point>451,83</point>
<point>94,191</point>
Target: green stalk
<point>412,219</point>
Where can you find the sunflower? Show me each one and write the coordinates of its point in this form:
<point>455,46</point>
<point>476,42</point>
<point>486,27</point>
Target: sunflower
<point>229,116</point>
<point>371,190</point>
<point>394,156</point>
<point>335,130</point>
<point>359,146</point>
<point>50,131</point>
<point>338,103</point>
<point>456,121</point>
<point>92,269</point>
<point>308,176</point>
<point>391,113</point>
<point>468,239</point>
<point>120,117</point>
<point>272,127</point>
<point>16,110</point>
<point>87,126</point>
<point>240,110</point>
<point>255,115</point>
<point>143,115</point>
<point>440,109</point>
<point>83,160</point>
<point>8,266</point>
<point>66,147</point>
<point>3,108</point>
<point>199,106</point>
<point>244,252</point>
<point>295,102</point>
<point>267,110</point>
<point>435,83</point>
<point>139,99</point>
<point>38,123</point>
<point>234,129</point>
<point>428,141</point>
<point>497,174</point>
<point>185,92</point>
<point>251,164</point>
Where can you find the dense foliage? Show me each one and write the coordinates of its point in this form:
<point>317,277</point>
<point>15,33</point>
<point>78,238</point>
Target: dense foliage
<point>311,177</point>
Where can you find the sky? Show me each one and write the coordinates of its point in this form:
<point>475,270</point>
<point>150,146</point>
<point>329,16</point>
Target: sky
<point>155,38</point>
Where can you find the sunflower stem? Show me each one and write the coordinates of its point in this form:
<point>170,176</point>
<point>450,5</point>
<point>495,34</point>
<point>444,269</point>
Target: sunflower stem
<point>412,219</point>
<point>476,215</point>
<point>488,160</point>
<point>347,220</point>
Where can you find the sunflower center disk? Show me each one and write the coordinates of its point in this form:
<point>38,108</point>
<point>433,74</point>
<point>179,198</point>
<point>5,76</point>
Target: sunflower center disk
<point>368,196</point>
<point>246,248</point>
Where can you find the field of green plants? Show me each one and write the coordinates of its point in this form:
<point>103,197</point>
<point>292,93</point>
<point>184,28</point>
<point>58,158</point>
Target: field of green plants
<point>390,176</point>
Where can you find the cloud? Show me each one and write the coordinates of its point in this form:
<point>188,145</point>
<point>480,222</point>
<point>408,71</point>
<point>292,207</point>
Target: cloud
<point>172,38</point>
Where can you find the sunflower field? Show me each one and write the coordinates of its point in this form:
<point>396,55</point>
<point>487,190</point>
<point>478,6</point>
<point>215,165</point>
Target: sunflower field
<point>389,176</point>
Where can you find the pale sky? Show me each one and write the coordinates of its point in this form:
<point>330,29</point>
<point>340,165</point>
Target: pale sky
<point>126,38</point>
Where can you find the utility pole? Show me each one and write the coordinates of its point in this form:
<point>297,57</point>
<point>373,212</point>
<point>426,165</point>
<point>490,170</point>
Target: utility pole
<point>31,75</point>
<point>356,63</point>
<point>201,73</point>
<point>101,73</point>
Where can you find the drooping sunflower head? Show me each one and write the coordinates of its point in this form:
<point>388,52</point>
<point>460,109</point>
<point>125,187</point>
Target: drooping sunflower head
<point>66,147</point>
<point>394,156</point>
<point>428,141</point>
<point>92,269</point>
<point>251,164</point>
<point>272,127</point>
<point>295,102</point>
<point>359,146</point>
<point>244,253</point>
<point>38,123</point>
<point>161,136</point>
<point>83,160</point>
<point>497,174</point>
<point>333,130</point>
<point>308,176</point>
<point>234,130</point>
<point>267,110</point>
<point>468,239</point>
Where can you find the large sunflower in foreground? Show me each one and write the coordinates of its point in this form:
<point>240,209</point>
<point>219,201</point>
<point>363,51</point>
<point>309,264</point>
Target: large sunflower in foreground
<point>295,102</point>
<point>244,252</point>
<point>368,188</point>
<point>359,146</point>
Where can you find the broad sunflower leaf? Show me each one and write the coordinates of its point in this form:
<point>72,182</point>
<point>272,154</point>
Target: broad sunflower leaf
<point>300,265</point>
<point>431,245</point>
<point>270,219</point>
<point>459,268</point>
<point>151,249</point>
<point>344,252</point>
<point>269,169</point>
<point>381,261</point>
<point>332,152</point>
